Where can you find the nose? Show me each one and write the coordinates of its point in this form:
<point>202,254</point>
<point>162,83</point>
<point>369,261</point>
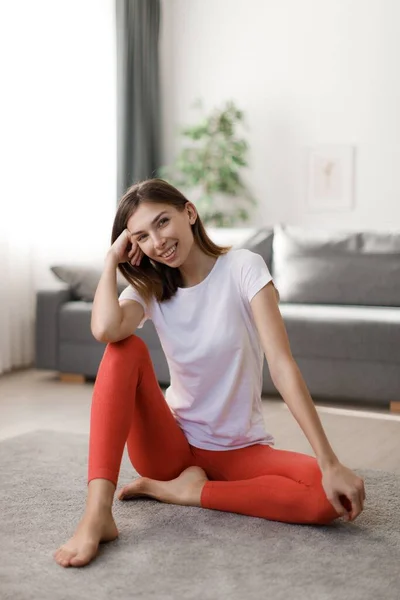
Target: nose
<point>159,243</point>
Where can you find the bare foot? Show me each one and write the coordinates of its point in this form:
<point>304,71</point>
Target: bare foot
<point>184,490</point>
<point>95,527</point>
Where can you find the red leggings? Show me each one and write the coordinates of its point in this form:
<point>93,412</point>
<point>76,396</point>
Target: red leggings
<point>128,406</point>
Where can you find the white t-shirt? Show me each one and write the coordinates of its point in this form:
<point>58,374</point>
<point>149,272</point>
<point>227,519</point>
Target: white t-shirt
<point>214,353</point>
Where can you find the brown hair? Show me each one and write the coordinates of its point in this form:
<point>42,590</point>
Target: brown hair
<point>152,278</point>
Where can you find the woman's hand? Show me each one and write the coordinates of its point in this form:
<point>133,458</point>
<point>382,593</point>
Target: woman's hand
<point>124,249</point>
<point>344,490</point>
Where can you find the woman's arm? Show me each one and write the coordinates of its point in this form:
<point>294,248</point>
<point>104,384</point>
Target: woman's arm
<point>286,376</point>
<point>110,321</point>
<point>291,385</point>
<point>106,312</point>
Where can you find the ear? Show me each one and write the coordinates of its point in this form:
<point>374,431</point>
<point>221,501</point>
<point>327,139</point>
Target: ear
<point>191,209</point>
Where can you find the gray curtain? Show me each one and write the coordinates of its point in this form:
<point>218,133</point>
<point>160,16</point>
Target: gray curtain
<point>138,93</point>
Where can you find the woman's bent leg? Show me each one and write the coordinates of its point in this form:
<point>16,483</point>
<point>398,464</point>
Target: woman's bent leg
<point>261,481</point>
<point>128,406</point>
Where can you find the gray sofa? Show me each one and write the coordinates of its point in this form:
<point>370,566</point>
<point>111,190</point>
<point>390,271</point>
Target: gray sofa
<point>340,301</point>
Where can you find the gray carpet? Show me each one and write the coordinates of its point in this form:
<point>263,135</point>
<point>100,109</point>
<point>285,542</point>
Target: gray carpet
<point>171,552</point>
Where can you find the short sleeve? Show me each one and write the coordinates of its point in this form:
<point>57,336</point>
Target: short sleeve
<point>129,293</point>
<point>254,274</point>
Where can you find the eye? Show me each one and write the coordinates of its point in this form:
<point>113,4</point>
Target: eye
<point>160,221</point>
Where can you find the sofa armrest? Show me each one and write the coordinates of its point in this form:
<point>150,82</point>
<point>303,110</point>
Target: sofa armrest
<point>48,304</point>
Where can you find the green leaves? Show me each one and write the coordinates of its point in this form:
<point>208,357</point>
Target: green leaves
<point>212,163</point>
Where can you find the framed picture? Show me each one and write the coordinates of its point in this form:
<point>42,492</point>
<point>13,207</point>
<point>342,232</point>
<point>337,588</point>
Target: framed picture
<point>331,178</point>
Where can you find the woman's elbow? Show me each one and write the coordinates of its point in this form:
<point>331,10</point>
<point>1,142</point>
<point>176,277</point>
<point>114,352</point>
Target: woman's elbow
<point>100,335</point>
<point>283,369</point>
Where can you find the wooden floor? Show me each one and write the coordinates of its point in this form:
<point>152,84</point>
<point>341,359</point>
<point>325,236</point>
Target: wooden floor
<point>362,436</point>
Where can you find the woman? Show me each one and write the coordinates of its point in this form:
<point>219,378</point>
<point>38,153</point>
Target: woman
<point>216,311</point>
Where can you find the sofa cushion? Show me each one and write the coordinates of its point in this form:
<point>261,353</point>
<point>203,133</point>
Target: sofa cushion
<point>336,267</point>
<point>83,279</point>
<point>74,322</point>
<point>260,242</point>
<point>361,333</point>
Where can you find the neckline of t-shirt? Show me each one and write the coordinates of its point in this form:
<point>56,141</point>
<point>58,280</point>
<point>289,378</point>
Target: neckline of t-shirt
<point>192,288</point>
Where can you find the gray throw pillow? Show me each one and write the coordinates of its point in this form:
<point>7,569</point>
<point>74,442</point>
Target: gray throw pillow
<point>320,266</point>
<point>261,243</point>
<point>83,279</point>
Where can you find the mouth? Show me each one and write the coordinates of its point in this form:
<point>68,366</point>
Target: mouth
<point>170,254</point>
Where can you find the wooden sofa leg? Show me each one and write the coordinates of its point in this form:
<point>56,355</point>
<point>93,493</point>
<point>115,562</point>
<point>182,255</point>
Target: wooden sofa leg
<point>395,407</point>
<point>72,378</point>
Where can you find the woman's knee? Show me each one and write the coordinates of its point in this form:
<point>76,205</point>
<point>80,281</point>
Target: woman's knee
<point>132,345</point>
<point>322,511</point>
<point>129,342</point>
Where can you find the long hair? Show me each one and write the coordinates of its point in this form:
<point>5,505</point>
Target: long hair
<point>151,278</point>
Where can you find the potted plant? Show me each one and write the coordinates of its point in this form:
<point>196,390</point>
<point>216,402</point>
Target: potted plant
<point>208,169</point>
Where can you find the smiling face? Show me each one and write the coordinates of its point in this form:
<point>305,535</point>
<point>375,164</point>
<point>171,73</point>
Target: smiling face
<point>157,227</point>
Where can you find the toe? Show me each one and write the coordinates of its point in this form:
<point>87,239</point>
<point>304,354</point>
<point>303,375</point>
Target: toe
<point>84,556</point>
<point>65,556</point>
<point>64,563</point>
<point>62,560</point>
<point>58,556</point>
<point>133,489</point>
<point>127,491</point>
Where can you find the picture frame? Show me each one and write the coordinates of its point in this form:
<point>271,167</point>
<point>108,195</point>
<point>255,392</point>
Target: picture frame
<point>331,177</point>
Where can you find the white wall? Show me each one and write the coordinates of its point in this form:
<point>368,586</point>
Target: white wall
<point>58,120</point>
<point>305,72</point>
